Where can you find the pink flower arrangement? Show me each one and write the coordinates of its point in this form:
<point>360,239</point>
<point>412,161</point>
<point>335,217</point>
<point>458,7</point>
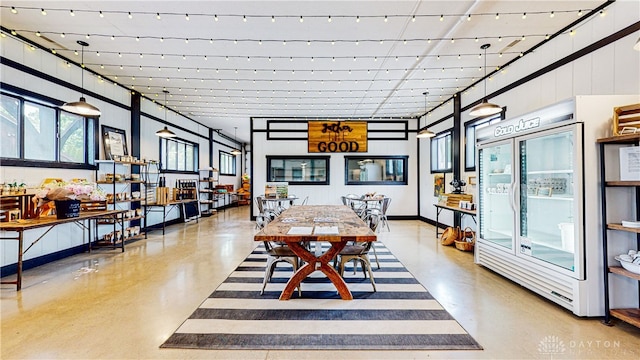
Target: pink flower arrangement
<point>81,190</point>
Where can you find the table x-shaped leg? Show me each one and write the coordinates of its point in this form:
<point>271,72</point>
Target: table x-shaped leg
<point>314,263</point>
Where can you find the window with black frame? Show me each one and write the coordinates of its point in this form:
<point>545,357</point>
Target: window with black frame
<point>30,130</point>
<point>441,152</point>
<point>227,163</point>
<point>177,155</point>
<point>376,170</point>
<point>470,138</point>
<point>298,170</point>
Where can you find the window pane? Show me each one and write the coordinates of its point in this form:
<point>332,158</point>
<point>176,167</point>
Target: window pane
<point>181,156</point>
<point>441,155</point>
<point>434,154</point>
<point>40,132</point>
<point>470,133</point>
<point>447,153</point>
<point>163,153</point>
<point>298,170</point>
<point>178,155</point>
<point>223,163</point>
<point>33,131</point>
<point>189,156</point>
<point>71,137</point>
<point>9,118</point>
<point>470,148</point>
<point>91,138</point>
<point>227,163</point>
<point>387,170</point>
<point>172,155</point>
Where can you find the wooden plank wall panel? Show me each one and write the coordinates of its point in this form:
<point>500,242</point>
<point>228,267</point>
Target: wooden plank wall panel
<point>337,136</point>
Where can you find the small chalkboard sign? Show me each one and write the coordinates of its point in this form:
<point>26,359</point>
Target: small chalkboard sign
<point>190,210</point>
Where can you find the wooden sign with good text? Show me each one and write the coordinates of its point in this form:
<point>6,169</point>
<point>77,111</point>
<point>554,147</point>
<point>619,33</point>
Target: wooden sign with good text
<point>337,136</point>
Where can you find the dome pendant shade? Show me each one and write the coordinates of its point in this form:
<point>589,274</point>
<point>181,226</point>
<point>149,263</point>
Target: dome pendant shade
<point>81,107</point>
<point>165,133</point>
<point>425,133</point>
<point>235,139</point>
<point>485,109</point>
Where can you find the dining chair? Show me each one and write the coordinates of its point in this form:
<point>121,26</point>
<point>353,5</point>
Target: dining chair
<point>359,253</point>
<point>278,253</point>
<point>383,216</point>
<point>353,201</point>
<point>373,219</point>
<point>264,215</point>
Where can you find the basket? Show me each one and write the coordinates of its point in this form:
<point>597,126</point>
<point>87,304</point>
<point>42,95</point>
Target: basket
<point>466,240</point>
<point>450,235</point>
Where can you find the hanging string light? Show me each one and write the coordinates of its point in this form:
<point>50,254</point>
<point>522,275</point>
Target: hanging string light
<point>384,17</point>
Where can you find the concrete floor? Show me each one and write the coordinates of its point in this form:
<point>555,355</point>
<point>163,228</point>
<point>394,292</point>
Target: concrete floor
<point>114,305</point>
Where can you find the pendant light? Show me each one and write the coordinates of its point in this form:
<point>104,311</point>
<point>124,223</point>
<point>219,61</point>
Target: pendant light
<point>235,135</point>
<point>425,133</point>
<point>485,108</point>
<point>81,107</point>
<point>165,133</point>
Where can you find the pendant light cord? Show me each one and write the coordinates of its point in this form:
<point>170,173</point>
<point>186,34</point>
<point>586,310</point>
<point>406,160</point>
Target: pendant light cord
<point>485,47</point>
<point>485,73</point>
<point>425,102</point>
<point>82,71</point>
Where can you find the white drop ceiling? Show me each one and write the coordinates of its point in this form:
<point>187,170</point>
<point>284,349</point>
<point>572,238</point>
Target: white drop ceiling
<point>232,60</point>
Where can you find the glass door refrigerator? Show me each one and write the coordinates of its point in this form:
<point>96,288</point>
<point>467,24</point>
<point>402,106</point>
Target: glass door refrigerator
<point>530,210</point>
<point>497,211</point>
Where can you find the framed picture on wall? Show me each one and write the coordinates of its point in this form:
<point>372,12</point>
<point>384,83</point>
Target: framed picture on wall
<point>438,184</point>
<point>115,143</point>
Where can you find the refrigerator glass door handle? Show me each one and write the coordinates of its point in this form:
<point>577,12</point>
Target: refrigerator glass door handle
<point>512,196</point>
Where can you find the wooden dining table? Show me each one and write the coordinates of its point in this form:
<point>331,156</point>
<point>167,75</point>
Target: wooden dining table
<point>335,224</point>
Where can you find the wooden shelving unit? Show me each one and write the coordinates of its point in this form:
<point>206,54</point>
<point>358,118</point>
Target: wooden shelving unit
<point>207,180</point>
<point>628,315</point>
<point>127,182</point>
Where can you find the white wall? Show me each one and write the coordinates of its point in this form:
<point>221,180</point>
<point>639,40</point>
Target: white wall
<point>611,70</point>
<point>404,199</point>
<point>68,236</point>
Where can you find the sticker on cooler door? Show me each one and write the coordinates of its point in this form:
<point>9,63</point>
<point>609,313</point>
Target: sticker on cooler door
<point>525,246</point>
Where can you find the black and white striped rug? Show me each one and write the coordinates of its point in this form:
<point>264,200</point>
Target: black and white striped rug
<point>401,315</point>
